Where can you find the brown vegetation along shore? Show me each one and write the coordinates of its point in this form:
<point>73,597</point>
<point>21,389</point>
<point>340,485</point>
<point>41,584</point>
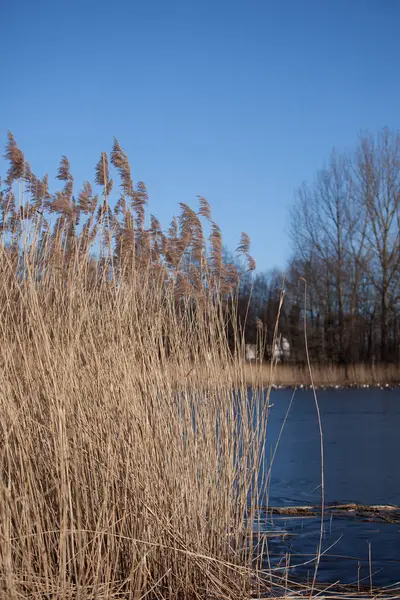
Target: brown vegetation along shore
<point>113,480</point>
<point>324,375</point>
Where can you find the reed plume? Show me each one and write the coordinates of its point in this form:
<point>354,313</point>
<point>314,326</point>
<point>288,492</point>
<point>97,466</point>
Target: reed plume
<point>102,172</point>
<point>120,161</point>
<point>216,249</point>
<point>16,159</point>
<point>204,208</point>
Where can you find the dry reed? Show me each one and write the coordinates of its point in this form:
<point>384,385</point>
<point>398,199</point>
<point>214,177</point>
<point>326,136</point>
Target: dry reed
<point>330,375</point>
<point>129,459</point>
<point>123,473</point>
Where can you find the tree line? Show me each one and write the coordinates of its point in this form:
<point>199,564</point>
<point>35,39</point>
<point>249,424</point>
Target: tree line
<point>343,281</point>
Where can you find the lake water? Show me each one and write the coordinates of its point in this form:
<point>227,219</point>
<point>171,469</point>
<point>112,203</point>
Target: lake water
<point>361,429</point>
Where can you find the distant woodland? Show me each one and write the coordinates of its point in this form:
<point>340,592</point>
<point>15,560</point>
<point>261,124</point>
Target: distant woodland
<point>345,267</point>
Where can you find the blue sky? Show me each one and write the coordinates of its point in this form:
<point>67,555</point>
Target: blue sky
<point>239,101</point>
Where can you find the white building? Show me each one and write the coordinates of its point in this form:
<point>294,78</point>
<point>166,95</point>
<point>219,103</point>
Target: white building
<point>281,349</point>
<point>250,351</point>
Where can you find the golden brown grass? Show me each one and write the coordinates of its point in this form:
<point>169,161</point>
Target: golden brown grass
<point>113,480</point>
<point>358,375</point>
<point>120,475</point>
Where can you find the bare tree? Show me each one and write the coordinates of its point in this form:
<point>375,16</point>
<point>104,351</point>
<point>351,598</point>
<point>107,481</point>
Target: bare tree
<point>346,235</point>
<point>323,223</point>
<point>378,171</point>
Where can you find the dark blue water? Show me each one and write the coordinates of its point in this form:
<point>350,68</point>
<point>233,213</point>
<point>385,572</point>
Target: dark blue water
<point>361,431</point>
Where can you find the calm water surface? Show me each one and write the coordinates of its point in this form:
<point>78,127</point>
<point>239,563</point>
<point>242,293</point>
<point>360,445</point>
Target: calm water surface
<point>361,430</point>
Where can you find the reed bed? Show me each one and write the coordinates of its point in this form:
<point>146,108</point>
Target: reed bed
<point>123,474</point>
<point>330,375</point>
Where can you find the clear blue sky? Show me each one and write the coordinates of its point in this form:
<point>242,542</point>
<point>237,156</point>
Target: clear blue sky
<point>239,101</point>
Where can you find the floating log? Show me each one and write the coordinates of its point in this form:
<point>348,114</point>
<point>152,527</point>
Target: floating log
<point>388,513</point>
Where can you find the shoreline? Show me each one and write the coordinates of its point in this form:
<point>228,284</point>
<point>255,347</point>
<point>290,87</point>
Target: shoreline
<point>346,386</point>
<point>324,376</point>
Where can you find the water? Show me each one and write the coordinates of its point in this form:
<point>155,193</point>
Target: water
<point>361,430</point>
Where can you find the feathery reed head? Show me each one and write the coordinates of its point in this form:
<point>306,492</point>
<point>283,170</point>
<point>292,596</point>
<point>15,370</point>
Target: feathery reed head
<point>205,209</point>
<point>102,175</point>
<point>16,159</point>
<point>85,199</point>
<point>244,250</point>
<point>120,161</point>
<point>139,201</point>
<point>244,245</point>
<point>64,172</point>
<point>216,248</point>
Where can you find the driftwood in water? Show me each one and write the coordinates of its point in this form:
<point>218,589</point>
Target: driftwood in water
<point>387,513</point>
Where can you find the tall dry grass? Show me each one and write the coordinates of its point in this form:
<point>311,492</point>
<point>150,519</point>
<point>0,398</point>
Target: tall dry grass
<point>123,474</point>
<point>328,375</point>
